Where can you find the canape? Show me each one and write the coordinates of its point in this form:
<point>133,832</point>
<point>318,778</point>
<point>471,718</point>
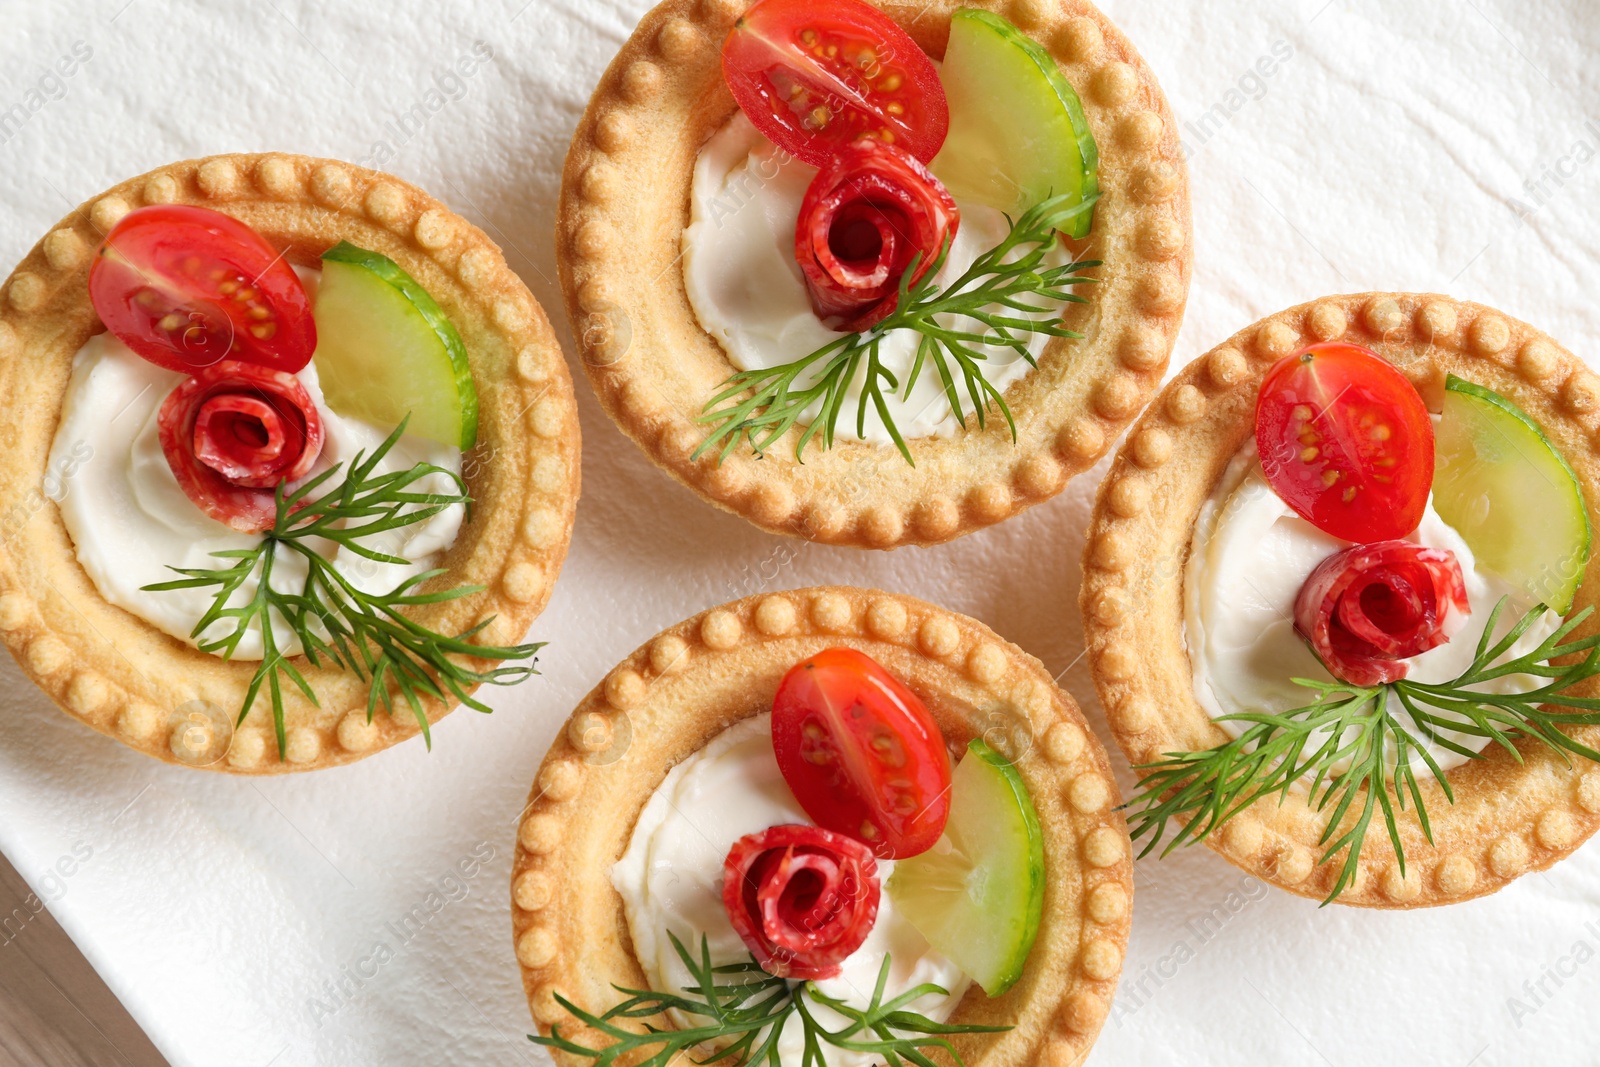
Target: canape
<point>875,275</point>
<point>844,803</point>
<point>271,365</point>
<point>1338,593</point>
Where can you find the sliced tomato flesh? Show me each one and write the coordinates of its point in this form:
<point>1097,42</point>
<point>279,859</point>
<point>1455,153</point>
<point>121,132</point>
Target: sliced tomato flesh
<point>1346,441</point>
<point>186,287</point>
<point>861,753</point>
<point>816,77</point>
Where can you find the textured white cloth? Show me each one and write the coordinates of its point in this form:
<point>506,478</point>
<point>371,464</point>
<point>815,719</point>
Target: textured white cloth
<point>1405,145</point>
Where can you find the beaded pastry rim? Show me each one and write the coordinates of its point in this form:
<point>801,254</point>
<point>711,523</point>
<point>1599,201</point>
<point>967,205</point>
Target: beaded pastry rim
<point>1507,819</point>
<point>624,206</point>
<point>724,665</point>
<point>121,676</point>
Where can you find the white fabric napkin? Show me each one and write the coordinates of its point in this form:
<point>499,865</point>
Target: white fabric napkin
<point>1405,145</point>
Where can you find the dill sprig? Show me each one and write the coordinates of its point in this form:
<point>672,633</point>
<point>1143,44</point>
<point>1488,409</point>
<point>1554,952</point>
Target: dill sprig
<point>335,621</point>
<point>745,1010</point>
<point>998,291</point>
<point>1353,726</point>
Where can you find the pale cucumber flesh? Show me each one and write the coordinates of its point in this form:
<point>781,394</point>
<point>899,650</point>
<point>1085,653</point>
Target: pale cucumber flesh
<point>1510,495</point>
<point>1018,133</point>
<point>385,350</point>
<point>979,894</point>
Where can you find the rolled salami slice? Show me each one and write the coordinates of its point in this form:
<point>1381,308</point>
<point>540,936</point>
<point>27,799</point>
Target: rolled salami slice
<point>232,433</point>
<point>1370,608</point>
<point>802,898</point>
<point>866,215</point>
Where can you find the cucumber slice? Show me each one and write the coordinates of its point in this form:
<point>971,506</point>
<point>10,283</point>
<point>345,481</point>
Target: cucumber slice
<point>385,350</point>
<point>1018,134</point>
<point>1509,494</point>
<point>979,900</point>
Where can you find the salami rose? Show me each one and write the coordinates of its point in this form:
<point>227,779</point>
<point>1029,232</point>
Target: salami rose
<point>233,432</point>
<point>1371,607</point>
<point>802,898</point>
<point>866,215</point>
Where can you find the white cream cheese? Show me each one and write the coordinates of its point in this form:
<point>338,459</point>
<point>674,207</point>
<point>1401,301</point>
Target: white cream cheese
<point>1248,558</point>
<point>670,879</point>
<point>130,522</point>
<point>747,291</point>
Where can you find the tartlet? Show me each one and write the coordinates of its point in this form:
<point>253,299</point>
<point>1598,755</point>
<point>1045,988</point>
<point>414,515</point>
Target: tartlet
<point>122,676</point>
<point>692,681</point>
<point>1508,818</point>
<point>624,208</point>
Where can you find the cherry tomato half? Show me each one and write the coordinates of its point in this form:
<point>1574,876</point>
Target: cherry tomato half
<point>185,287</point>
<point>1346,441</point>
<point>817,76</point>
<point>861,753</point>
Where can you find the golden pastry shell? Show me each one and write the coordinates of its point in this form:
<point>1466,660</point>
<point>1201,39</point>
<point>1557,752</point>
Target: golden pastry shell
<point>123,677</point>
<point>692,681</point>
<point>1508,818</point>
<point>624,207</point>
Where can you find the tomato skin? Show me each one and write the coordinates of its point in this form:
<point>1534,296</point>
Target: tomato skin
<point>861,753</point>
<point>185,287</point>
<point>1346,441</point>
<point>876,83</point>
